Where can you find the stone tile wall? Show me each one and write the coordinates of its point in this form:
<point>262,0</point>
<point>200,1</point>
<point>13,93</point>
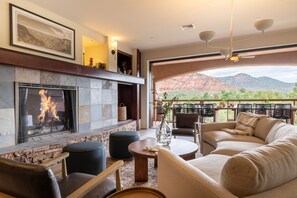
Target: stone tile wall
<point>97,99</point>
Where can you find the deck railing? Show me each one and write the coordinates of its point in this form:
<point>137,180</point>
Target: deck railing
<point>224,116</point>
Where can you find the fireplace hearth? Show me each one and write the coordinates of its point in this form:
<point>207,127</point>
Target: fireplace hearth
<point>44,109</point>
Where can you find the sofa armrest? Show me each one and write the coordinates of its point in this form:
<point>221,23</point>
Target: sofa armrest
<point>216,126</point>
<point>187,181</point>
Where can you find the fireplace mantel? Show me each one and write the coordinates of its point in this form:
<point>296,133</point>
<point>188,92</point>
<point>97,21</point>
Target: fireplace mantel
<point>20,59</point>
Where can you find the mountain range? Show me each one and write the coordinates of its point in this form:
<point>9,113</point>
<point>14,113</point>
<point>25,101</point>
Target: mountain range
<point>203,83</point>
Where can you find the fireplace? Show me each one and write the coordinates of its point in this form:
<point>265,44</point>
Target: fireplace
<point>44,109</point>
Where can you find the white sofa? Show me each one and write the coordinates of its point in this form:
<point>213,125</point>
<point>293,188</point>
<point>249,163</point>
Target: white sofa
<point>261,165</point>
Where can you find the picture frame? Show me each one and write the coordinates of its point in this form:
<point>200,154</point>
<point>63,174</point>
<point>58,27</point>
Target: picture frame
<point>32,31</point>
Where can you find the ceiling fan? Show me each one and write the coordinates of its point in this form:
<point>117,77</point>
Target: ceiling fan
<point>228,52</point>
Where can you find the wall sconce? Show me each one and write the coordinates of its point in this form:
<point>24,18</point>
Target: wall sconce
<point>114,45</point>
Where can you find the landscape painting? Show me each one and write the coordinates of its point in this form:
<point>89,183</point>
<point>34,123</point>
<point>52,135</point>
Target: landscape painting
<point>31,31</point>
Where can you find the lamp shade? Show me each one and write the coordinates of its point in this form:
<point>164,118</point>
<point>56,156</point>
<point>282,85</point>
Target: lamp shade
<point>263,24</point>
<point>206,35</point>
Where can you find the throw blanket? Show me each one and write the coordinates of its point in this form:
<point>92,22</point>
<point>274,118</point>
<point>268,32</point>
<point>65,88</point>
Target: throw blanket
<point>235,131</point>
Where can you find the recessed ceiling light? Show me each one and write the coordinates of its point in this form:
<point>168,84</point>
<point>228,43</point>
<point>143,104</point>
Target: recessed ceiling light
<point>187,27</point>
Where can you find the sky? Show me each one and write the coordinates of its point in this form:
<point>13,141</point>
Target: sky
<point>283,73</point>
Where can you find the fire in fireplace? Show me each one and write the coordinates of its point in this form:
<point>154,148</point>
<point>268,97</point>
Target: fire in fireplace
<point>44,109</point>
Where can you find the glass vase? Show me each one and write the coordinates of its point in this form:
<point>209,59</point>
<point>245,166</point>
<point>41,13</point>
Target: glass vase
<point>163,134</point>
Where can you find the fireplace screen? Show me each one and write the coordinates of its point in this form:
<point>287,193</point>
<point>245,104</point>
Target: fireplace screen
<point>44,110</point>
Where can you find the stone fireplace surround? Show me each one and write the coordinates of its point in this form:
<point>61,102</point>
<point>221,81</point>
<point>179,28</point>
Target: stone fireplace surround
<point>97,102</point>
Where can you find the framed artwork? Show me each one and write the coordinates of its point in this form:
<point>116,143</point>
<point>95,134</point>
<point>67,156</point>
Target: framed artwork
<point>31,31</point>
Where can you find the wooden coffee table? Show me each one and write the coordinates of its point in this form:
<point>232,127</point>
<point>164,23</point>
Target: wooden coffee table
<point>182,148</point>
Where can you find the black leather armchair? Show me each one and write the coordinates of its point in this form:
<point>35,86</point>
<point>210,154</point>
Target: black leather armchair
<point>19,179</point>
<point>186,125</point>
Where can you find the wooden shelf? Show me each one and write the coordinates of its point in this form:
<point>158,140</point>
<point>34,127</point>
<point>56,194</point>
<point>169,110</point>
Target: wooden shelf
<point>20,59</point>
<point>124,62</point>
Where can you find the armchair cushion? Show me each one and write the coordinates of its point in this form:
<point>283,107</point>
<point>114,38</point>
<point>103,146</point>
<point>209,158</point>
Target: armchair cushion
<point>183,131</point>
<point>186,120</point>
<point>27,180</point>
<point>73,181</point>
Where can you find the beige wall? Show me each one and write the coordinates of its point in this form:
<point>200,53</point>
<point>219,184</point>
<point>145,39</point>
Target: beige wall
<point>98,53</point>
<point>80,31</point>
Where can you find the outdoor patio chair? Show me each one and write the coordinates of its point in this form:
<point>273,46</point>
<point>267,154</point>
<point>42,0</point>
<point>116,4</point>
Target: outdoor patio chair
<point>186,125</point>
<point>282,111</point>
<point>244,108</point>
<point>263,109</point>
<point>207,110</point>
<point>30,180</point>
<point>193,108</point>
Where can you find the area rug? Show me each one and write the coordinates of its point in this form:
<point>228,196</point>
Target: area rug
<point>127,171</point>
<point>127,174</point>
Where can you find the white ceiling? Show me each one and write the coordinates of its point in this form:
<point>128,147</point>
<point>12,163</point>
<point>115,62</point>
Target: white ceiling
<point>149,24</point>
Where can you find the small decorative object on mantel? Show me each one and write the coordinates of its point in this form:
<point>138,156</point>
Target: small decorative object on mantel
<point>102,65</point>
<point>164,131</point>
<point>124,67</point>
<point>91,62</point>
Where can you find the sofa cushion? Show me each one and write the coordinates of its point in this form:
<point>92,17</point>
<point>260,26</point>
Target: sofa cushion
<point>280,130</point>
<point>247,122</point>
<point>235,131</point>
<point>260,169</point>
<point>211,165</point>
<point>263,127</point>
<point>213,137</point>
<point>234,147</point>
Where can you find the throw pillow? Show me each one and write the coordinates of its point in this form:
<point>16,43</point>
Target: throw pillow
<point>247,122</point>
<point>264,126</point>
<point>257,170</point>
